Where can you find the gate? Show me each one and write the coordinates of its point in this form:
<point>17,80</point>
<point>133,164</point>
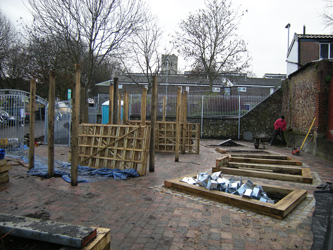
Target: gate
<point>14,118</point>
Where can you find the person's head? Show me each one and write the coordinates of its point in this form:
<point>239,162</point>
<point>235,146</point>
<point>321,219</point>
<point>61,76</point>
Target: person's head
<point>282,117</point>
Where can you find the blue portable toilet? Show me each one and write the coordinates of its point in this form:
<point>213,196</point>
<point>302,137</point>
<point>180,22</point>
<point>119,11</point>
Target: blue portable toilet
<point>105,112</point>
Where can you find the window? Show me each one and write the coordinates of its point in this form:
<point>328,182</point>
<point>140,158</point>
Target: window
<point>326,50</point>
<point>227,91</point>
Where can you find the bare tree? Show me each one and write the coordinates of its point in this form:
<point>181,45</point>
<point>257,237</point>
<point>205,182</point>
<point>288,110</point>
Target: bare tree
<point>143,51</point>
<point>7,37</point>
<point>100,26</point>
<point>328,14</point>
<point>209,38</point>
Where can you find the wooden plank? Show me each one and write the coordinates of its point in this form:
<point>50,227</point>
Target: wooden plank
<point>75,125</point>
<point>271,167</point>
<point>3,162</point>
<point>258,174</point>
<point>262,156</point>
<point>5,168</point>
<point>307,176</point>
<point>279,210</point>
<point>265,161</point>
<point>4,178</point>
<point>183,120</point>
<point>50,125</point>
<point>46,230</point>
<point>102,240</point>
<point>32,124</point>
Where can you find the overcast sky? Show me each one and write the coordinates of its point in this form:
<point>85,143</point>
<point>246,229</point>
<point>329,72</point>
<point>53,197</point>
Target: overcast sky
<point>263,26</point>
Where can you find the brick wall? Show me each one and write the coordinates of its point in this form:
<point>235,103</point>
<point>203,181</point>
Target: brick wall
<point>309,51</point>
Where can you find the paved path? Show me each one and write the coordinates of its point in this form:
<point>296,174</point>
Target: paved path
<point>142,214</point>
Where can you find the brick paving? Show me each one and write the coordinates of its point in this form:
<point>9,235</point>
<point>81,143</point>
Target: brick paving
<point>142,214</point>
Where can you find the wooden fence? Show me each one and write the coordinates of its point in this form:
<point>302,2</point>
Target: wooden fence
<point>114,146</point>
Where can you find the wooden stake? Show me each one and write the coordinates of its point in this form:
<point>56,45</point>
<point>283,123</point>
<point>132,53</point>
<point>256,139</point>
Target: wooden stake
<point>32,124</point>
<point>115,100</point>
<point>111,104</point>
<point>184,114</point>
<point>143,106</point>
<point>75,125</point>
<point>178,116</point>
<point>119,108</point>
<point>164,103</point>
<point>126,107</point>
<point>152,125</point>
<point>50,139</point>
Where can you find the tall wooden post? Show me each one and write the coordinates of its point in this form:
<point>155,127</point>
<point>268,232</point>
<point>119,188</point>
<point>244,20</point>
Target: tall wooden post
<point>163,119</point>
<point>178,116</point>
<point>32,124</point>
<point>152,125</point>
<point>119,108</point>
<point>184,115</point>
<point>115,100</point>
<point>111,104</point>
<point>75,125</point>
<point>143,106</point>
<point>50,128</point>
<point>126,107</point>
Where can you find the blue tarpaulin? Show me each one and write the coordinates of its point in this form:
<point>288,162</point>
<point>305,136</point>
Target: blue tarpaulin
<point>85,174</point>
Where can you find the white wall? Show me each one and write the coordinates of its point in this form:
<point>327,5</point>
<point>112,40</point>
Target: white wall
<point>292,60</point>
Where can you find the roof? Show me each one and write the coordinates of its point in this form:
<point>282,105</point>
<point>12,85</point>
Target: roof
<point>185,79</point>
<point>310,37</point>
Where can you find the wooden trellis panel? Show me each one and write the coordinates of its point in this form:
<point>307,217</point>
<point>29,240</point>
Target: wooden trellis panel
<point>165,136</point>
<point>114,146</point>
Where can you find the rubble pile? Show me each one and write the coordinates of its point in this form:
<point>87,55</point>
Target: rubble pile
<point>232,186</point>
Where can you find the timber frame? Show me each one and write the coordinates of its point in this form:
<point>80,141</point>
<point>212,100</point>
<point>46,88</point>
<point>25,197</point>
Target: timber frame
<point>165,136</point>
<point>114,146</point>
<point>276,167</point>
<point>290,198</point>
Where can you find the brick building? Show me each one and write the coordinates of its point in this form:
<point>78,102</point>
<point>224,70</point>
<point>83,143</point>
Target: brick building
<point>305,48</point>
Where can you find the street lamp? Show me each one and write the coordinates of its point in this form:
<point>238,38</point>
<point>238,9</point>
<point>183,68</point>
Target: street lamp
<point>288,27</point>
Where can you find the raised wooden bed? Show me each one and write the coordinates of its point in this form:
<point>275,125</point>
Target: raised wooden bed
<point>270,168</point>
<point>288,198</point>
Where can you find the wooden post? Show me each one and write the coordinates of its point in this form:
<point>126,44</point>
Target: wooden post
<point>119,108</point>
<point>126,107</point>
<point>184,115</point>
<point>115,100</point>
<point>143,106</point>
<point>178,116</point>
<point>75,125</point>
<point>152,125</point>
<point>163,119</point>
<point>50,131</point>
<point>32,124</point>
<point>111,104</point>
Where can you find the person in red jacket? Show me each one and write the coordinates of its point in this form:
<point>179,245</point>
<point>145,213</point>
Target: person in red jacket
<point>279,126</point>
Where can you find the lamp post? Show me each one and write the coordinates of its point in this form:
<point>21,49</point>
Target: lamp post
<point>288,27</point>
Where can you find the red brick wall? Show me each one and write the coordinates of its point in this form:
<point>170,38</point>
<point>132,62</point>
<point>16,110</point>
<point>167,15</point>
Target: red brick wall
<point>309,51</point>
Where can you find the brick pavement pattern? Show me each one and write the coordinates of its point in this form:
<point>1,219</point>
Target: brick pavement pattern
<point>142,214</point>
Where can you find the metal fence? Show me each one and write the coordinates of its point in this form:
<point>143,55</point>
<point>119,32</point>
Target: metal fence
<point>15,119</point>
<point>206,106</point>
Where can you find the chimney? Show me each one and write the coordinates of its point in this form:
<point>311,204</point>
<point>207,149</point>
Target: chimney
<point>303,29</point>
